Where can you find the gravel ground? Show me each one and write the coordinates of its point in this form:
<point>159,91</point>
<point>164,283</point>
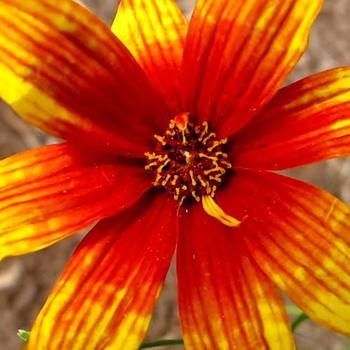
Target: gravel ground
<point>26,281</point>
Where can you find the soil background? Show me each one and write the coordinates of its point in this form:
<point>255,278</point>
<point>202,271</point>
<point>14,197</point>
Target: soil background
<point>26,281</point>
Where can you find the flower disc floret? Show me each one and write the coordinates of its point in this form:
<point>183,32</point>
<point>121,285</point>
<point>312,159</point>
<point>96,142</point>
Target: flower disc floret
<point>188,161</point>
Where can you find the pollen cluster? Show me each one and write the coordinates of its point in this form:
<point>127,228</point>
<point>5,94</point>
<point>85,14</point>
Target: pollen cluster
<point>188,160</point>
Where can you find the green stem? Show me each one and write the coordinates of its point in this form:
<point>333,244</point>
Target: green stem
<point>164,342</point>
<point>298,321</point>
<point>293,310</point>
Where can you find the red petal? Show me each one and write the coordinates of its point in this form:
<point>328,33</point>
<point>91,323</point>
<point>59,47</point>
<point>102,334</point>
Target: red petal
<point>239,52</point>
<point>305,122</point>
<point>49,193</point>
<point>299,236</point>
<point>155,31</point>
<point>64,71</point>
<point>105,297</point>
<point>225,300</point>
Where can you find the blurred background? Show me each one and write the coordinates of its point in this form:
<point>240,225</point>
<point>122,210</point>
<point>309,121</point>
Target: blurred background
<point>25,281</point>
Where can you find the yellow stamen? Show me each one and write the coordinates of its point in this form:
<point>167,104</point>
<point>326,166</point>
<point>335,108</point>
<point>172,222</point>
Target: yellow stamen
<point>184,141</point>
<point>177,194</point>
<point>195,196</point>
<point>160,139</point>
<point>165,181</point>
<point>161,167</point>
<point>187,157</point>
<point>228,165</point>
<point>180,204</point>
<point>222,154</point>
<point>216,178</point>
<point>156,181</point>
<point>203,155</point>
<point>173,181</point>
<point>203,183</point>
<point>204,132</point>
<point>207,138</point>
<point>214,170</point>
<point>170,133</point>
<point>216,144</point>
<point>150,165</point>
<point>194,182</point>
<point>212,209</point>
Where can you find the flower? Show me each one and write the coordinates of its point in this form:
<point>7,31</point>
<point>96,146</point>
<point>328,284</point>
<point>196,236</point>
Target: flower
<point>194,114</point>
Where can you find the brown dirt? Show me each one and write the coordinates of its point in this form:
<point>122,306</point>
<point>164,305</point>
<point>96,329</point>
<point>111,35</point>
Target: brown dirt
<point>25,281</point>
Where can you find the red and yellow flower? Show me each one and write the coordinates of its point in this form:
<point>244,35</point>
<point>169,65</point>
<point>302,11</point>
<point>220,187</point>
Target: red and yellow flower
<point>156,109</point>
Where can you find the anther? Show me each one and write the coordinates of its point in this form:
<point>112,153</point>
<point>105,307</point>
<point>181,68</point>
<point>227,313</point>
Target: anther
<point>160,139</point>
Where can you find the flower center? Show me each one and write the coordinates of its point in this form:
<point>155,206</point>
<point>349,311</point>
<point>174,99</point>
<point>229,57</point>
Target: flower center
<point>188,161</point>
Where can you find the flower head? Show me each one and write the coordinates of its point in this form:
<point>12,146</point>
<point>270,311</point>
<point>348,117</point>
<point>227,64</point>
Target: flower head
<point>171,133</point>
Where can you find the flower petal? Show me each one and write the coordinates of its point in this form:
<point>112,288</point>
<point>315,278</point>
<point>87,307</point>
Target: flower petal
<point>299,236</point>
<point>225,300</point>
<point>49,193</point>
<point>238,53</point>
<point>105,297</point>
<point>64,71</point>
<point>154,31</point>
<point>305,122</point>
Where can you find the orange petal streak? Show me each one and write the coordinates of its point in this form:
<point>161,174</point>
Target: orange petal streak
<point>63,70</point>
<point>225,300</point>
<point>299,236</point>
<point>154,31</point>
<point>105,297</point>
<point>49,193</point>
<point>238,53</point>
<point>305,122</point>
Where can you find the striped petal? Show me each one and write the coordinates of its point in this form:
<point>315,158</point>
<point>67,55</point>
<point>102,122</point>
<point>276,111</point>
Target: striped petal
<point>62,70</point>
<point>154,31</point>
<point>239,52</point>
<point>300,237</point>
<point>225,300</point>
<point>305,122</point>
<point>105,297</point>
<point>49,193</point>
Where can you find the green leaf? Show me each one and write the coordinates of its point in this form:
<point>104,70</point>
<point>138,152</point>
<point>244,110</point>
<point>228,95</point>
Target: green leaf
<point>298,321</point>
<point>23,334</point>
<point>164,342</point>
